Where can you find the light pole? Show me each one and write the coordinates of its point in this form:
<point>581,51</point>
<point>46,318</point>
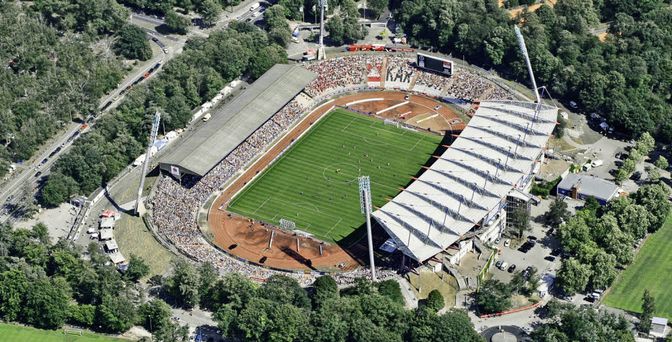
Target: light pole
<point>365,206</point>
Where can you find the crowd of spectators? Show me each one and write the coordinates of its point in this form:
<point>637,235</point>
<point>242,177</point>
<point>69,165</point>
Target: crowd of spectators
<point>340,72</point>
<point>175,204</point>
<point>400,73</point>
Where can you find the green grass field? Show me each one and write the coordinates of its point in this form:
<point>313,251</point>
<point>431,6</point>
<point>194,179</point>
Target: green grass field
<point>16,333</point>
<point>652,269</point>
<point>315,184</point>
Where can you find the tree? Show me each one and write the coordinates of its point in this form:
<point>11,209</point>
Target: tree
<point>557,213</point>
<point>277,26</point>
<point>58,189</point>
<point>645,144</point>
<point>176,22</point>
<point>210,11</point>
<point>46,303</point>
<point>654,197</point>
<point>336,29</point>
<point>520,220</point>
<point>292,8</point>
<point>324,288</point>
<point>390,288</point>
<point>435,301</point>
<point>13,288</point>
<point>376,7</point>
<point>83,315</point>
<point>155,315</point>
<point>573,276</point>
<point>283,289</point>
<point>132,43</point>
<point>182,286</point>
<point>662,163</point>
<point>207,276</point>
<point>267,57</point>
<point>233,289</point>
<point>648,308</point>
<point>137,268</point>
<point>493,296</point>
<point>225,317</point>
<point>603,270</point>
<point>116,313</point>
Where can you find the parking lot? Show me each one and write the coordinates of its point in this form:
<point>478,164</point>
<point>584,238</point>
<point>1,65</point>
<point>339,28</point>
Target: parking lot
<point>536,255</point>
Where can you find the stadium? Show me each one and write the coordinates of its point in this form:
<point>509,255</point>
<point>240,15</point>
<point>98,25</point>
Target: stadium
<point>269,184</point>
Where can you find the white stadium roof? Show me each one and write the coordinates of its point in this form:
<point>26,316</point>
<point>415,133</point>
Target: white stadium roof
<point>493,155</point>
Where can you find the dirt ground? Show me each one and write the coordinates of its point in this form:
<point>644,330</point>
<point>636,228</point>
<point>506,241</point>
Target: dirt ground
<point>250,240</point>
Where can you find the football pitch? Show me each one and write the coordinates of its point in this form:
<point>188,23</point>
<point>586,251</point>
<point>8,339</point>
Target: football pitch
<point>314,183</point>
<point>652,270</point>
<point>16,333</point>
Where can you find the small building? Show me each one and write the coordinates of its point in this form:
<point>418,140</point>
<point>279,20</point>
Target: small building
<point>117,258</point>
<point>106,234</point>
<point>658,326</point>
<point>578,186</point>
<point>111,246</point>
<point>107,222</point>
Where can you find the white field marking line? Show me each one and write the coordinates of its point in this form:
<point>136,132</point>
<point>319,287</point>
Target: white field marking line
<point>348,125</point>
<point>365,100</point>
<point>393,107</point>
<point>334,226</point>
<point>404,114</point>
<point>262,204</point>
<point>416,143</point>
<point>243,171</point>
<point>428,118</point>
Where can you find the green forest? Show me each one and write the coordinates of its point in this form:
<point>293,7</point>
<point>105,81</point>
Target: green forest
<point>185,82</point>
<point>49,78</point>
<point>627,79</point>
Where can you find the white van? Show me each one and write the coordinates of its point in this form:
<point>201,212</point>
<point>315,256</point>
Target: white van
<point>254,7</point>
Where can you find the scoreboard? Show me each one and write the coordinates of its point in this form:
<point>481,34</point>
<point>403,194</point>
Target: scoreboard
<point>436,64</point>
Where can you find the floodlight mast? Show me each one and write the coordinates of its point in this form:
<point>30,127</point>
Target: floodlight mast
<point>323,7</point>
<point>139,208</point>
<point>365,206</point>
<point>523,50</point>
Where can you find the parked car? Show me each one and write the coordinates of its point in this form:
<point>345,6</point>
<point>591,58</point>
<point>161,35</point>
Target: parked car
<point>507,242</point>
<point>527,246</point>
<point>503,266</point>
<point>549,258</point>
<point>512,268</point>
<point>497,241</point>
<point>499,263</point>
<point>38,173</point>
<point>528,272</point>
<point>556,252</point>
<point>532,237</point>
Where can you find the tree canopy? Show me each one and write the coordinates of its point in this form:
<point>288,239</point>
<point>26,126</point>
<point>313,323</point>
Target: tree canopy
<point>625,78</point>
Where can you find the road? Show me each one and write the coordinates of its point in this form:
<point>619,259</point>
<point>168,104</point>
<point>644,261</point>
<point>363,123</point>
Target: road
<point>26,179</point>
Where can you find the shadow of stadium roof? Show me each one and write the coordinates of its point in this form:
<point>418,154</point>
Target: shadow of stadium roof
<point>232,123</point>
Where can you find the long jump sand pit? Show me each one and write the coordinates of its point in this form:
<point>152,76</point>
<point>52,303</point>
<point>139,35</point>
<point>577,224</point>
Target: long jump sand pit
<point>250,240</point>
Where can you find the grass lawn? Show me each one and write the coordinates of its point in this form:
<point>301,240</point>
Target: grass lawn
<point>315,184</point>
<point>652,270</point>
<point>16,333</point>
<point>424,282</point>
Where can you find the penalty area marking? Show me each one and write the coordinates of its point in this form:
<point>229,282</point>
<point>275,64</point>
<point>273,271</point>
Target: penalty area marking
<point>363,101</point>
<point>393,107</point>
<point>428,118</point>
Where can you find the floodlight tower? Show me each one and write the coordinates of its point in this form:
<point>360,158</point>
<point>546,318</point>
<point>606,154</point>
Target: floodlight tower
<point>324,6</point>
<point>365,206</point>
<point>139,207</point>
<point>523,50</point>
